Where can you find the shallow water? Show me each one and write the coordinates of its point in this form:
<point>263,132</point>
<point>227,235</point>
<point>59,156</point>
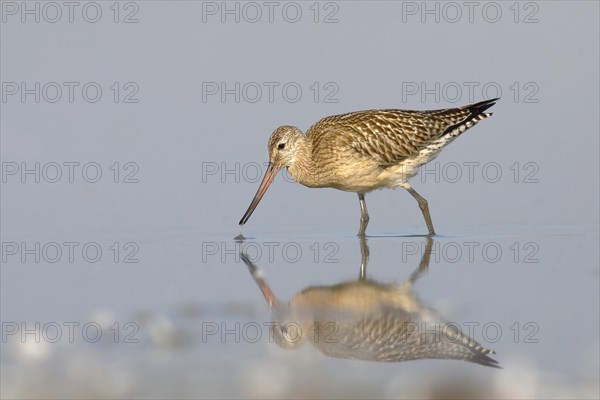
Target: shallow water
<point>132,285</point>
<point>201,329</point>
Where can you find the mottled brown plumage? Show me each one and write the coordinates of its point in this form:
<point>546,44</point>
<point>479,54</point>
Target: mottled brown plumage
<point>367,150</point>
<point>368,320</point>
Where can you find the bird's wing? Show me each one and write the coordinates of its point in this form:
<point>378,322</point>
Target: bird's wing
<point>389,136</point>
<point>395,335</point>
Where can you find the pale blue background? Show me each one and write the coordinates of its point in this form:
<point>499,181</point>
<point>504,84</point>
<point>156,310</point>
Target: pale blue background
<point>171,212</point>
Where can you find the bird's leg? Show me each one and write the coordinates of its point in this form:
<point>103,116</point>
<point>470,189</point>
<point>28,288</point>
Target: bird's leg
<point>423,206</point>
<point>424,265</point>
<point>364,257</point>
<point>364,215</point>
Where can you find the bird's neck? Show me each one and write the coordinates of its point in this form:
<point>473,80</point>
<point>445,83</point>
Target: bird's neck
<point>303,168</point>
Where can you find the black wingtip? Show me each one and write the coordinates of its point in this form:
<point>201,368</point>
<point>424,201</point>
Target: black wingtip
<point>480,107</point>
<point>486,361</point>
<point>476,113</point>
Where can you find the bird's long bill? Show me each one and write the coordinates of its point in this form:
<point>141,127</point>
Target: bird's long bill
<point>264,288</point>
<point>272,171</point>
<point>267,292</point>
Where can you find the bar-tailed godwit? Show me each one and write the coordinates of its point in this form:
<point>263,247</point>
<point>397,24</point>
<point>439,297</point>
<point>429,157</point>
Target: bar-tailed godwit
<point>367,150</point>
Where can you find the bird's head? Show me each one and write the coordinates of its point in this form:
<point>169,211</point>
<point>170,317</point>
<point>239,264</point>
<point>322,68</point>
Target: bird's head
<point>284,145</point>
<point>288,330</point>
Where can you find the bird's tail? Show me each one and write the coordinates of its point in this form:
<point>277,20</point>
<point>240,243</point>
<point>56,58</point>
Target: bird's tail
<point>474,113</point>
<point>479,108</point>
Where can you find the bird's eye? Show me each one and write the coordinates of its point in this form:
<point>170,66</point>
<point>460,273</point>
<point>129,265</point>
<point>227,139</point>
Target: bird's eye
<point>281,146</point>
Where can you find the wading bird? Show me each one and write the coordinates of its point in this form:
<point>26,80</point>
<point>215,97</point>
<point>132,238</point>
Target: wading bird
<point>366,150</point>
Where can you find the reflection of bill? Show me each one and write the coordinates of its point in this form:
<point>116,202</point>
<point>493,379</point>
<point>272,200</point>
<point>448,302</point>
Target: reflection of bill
<point>367,320</point>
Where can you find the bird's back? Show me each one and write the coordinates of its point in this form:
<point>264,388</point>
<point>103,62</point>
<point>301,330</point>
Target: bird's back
<point>391,136</point>
<point>394,335</point>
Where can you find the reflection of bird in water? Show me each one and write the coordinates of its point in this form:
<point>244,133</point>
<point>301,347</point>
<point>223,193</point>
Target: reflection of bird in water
<point>368,320</point>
